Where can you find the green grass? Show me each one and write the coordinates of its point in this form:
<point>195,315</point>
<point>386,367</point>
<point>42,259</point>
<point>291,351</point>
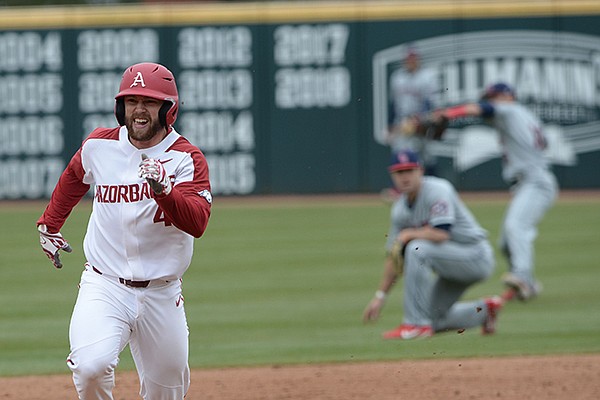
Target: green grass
<point>287,284</point>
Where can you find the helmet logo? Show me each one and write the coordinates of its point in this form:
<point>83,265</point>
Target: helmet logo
<point>138,79</point>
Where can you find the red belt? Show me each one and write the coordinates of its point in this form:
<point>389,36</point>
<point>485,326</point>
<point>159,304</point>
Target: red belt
<point>126,282</point>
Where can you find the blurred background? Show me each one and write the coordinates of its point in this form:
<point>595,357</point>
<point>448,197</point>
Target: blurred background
<point>294,97</point>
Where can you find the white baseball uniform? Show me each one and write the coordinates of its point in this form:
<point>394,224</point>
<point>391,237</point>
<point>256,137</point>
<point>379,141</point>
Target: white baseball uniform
<point>138,246</point>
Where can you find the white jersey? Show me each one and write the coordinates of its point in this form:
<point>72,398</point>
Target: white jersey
<point>437,203</point>
<point>132,233</point>
<point>523,141</point>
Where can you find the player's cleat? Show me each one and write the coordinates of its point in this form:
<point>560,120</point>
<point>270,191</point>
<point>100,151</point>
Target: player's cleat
<point>494,306</point>
<point>407,331</point>
<point>523,290</point>
<point>509,294</point>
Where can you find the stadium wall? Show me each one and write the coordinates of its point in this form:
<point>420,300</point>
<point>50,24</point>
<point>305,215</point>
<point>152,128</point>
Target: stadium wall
<point>292,97</point>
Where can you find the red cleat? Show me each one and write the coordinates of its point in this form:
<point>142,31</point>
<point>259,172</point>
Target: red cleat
<point>407,331</point>
<point>494,305</point>
<point>509,294</point>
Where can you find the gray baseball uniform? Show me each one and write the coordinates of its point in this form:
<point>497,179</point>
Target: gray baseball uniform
<point>535,188</point>
<point>437,274</point>
<point>412,94</point>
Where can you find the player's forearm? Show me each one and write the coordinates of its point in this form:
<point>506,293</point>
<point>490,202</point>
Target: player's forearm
<point>425,233</point>
<point>188,212</point>
<point>389,275</point>
<point>464,110</point>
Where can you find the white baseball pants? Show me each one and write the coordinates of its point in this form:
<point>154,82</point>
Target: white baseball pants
<point>109,315</point>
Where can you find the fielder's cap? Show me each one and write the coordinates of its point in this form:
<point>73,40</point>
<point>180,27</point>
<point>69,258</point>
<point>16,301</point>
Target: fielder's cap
<point>496,89</point>
<point>404,160</point>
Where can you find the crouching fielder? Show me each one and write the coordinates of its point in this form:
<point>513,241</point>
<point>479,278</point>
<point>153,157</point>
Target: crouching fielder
<point>438,248</point>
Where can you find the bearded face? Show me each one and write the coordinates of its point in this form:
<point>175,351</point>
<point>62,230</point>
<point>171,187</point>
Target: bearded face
<point>143,128</point>
<point>141,119</point>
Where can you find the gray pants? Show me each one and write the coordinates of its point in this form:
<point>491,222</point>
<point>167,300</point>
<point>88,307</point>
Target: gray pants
<point>435,277</point>
<point>532,198</point>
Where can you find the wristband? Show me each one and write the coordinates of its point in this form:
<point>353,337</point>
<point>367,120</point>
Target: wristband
<point>380,294</point>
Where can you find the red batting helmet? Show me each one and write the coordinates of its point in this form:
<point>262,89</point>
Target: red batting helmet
<point>149,80</point>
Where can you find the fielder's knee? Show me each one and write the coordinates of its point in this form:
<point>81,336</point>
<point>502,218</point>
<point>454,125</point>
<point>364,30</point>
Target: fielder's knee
<point>415,248</point>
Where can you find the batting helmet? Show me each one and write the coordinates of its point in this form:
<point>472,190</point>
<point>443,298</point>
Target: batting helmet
<point>496,89</point>
<point>149,80</point>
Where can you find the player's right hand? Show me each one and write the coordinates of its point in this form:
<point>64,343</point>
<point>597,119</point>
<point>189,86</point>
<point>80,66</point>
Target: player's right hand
<point>51,243</point>
<point>373,310</point>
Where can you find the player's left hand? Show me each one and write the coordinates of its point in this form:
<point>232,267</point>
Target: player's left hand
<point>51,244</point>
<point>432,125</point>
<point>154,172</point>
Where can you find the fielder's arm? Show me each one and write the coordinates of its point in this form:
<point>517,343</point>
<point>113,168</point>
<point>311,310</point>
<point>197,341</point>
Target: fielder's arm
<point>463,110</point>
<point>426,232</point>
<point>373,309</point>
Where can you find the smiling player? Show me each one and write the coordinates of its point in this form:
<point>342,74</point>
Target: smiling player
<point>152,198</point>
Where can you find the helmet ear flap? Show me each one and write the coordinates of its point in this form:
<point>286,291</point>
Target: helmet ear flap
<point>162,113</point>
<point>120,111</point>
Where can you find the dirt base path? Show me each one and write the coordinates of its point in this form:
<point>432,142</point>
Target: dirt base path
<point>549,377</point>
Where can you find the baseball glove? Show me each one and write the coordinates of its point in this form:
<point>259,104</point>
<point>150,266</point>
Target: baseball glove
<point>431,126</point>
<point>397,257</point>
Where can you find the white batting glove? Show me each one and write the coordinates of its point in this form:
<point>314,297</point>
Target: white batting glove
<point>156,175</point>
<point>51,243</point>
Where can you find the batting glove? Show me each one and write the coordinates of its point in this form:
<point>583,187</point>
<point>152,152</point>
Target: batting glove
<point>155,174</point>
<point>51,243</point>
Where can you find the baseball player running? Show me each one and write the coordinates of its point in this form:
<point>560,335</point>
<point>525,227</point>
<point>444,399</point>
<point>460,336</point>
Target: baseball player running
<point>525,168</point>
<point>151,199</point>
<point>437,245</point>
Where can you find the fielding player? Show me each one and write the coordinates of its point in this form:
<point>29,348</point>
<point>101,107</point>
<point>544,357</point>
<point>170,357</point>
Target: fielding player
<point>151,199</point>
<point>437,247</point>
<point>534,188</point>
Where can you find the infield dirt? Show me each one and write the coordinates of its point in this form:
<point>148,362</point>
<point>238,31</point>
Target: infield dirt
<point>567,377</point>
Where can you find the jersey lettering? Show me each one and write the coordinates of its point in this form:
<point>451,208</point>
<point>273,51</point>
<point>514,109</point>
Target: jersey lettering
<point>122,193</point>
<point>139,78</point>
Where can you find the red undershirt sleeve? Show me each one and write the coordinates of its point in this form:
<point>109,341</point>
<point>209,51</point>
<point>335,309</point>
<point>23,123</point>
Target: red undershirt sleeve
<point>69,190</point>
<point>188,212</point>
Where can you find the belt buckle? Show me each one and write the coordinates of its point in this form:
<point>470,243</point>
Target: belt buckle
<point>134,284</point>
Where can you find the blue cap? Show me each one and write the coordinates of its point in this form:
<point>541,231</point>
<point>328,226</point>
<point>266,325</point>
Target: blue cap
<point>496,89</point>
<point>404,160</point>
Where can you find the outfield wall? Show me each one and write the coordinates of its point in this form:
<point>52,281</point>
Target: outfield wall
<point>292,97</point>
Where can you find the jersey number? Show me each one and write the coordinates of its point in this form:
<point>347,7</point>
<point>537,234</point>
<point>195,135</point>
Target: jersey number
<point>540,141</point>
<point>161,217</point>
